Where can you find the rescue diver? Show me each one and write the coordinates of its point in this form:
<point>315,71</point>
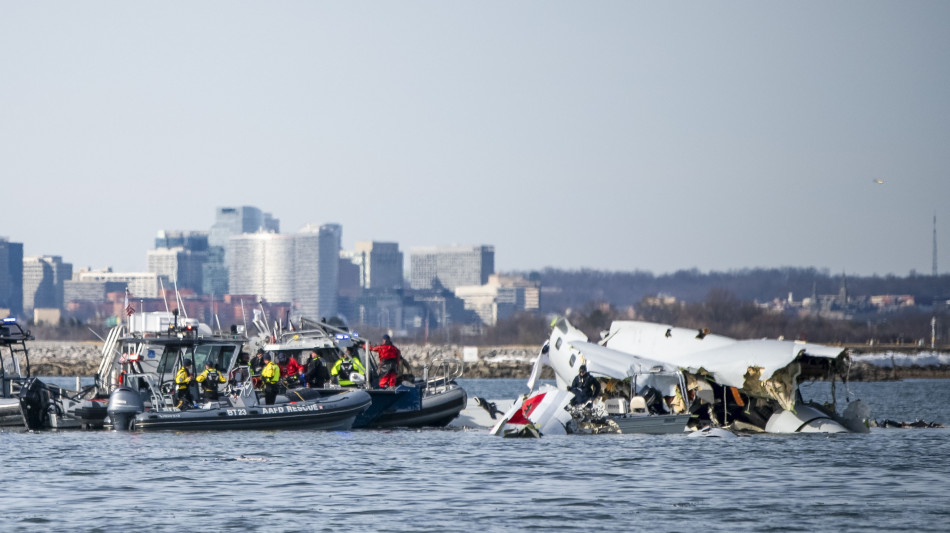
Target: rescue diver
<point>344,368</point>
<point>585,387</point>
<point>270,375</point>
<point>183,380</point>
<point>209,380</point>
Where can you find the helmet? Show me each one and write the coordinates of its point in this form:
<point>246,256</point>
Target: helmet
<point>583,368</point>
<point>387,338</point>
<point>187,362</point>
<point>267,357</point>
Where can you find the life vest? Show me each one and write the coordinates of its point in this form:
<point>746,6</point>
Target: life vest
<point>271,373</point>
<point>210,382</point>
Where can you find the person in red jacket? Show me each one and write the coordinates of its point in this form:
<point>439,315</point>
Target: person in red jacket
<point>389,357</point>
<point>290,369</point>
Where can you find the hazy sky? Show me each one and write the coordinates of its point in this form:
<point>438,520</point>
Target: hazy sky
<point>612,135</point>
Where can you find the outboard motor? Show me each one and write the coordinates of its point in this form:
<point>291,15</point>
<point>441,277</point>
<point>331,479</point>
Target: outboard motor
<point>35,404</point>
<point>124,404</point>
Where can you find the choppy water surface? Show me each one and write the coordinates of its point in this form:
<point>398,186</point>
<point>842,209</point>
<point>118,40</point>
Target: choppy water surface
<point>450,480</point>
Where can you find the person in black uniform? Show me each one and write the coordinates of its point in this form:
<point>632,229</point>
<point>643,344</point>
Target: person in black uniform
<point>257,363</point>
<point>317,374</point>
<point>585,387</point>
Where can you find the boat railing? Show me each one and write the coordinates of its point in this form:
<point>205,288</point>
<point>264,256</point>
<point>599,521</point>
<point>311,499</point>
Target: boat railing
<point>439,374</point>
<point>159,399</point>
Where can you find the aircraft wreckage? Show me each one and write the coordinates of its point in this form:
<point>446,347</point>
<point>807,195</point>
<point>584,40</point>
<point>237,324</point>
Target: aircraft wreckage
<point>661,379</point>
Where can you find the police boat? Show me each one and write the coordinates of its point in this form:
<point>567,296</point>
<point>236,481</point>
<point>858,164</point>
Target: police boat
<point>433,400</point>
<point>239,408</point>
<point>27,401</point>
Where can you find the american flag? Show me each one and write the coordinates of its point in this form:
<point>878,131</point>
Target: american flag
<point>129,310</point>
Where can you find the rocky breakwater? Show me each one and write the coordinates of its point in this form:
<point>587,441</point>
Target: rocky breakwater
<point>63,358</point>
<point>478,362</point>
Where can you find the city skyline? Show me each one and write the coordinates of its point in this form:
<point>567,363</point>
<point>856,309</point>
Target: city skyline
<point>623,136</point>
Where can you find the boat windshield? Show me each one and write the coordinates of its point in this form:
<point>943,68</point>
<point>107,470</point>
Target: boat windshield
<point>220,355</point>
<point>169,359</point>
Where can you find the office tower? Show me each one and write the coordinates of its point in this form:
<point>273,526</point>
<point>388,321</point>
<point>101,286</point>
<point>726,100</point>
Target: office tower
<point>180,256</point>
<point>139,284</point>
<point>193,241</point>
<point>450,266</point>
<point>262,264</point>
<point>318,270</point>
<point>11,277</point>
<point>380,263</point>
<point>229,222</point>
<point>301,268</point>
<point>43,279</point>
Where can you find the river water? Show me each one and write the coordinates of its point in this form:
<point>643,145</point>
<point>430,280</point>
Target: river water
<point>452,480</point>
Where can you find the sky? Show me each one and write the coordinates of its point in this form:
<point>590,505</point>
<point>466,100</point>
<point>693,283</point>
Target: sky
<point>612,135</point>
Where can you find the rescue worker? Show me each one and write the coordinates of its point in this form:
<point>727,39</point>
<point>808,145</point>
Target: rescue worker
<point>389,357</point>
<point>270,374</point>
<point>585,387</point>
<point>257,362</point>
<point>345,367</point>
<point>241,371</point>
<point>290,369</point>
<point>209,380</point>
<point>183,380</point>
<point>317,374</point>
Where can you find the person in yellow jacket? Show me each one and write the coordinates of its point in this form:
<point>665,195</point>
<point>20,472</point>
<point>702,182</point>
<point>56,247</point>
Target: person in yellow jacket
<point>209,380</point>
<point>344,368</point>
<point>183,381</point>
<point>270,375</point>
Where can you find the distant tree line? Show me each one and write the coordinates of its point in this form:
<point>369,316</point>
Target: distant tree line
<point>566,289</point>
<point>724,302</point>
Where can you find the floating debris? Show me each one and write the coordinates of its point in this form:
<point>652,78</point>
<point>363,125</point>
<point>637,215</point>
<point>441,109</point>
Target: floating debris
<point>887,423</point>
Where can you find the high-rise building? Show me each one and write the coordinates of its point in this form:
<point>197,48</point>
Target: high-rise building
<point>501,297</point>
<point>229,222</point>
<point>450,266</point>
<point>139,284</point>
<point>318,270</point>
<point>193,241</point>
<point>180,256</point>
<point>302,268</point>
<point>11,276</point>
<point>380,263</point>
<point>43,279</point>
<point>182,267</point>
<point>262,264</point>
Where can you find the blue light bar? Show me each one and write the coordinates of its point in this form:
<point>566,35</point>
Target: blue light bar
<point>9,320</point>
